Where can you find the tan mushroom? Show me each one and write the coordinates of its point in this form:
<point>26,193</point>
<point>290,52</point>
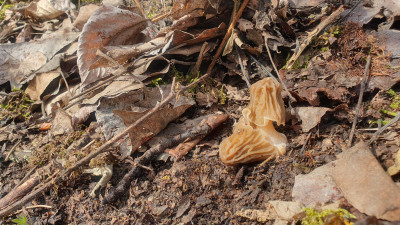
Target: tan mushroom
<point>266,103</point>
<point>254,137</point>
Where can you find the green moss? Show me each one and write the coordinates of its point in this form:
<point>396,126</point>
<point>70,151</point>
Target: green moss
<point>221,96</point>
<point>17,106</point>
<point>395,99</point>
<point>2,12</point>
<point>315,217</point>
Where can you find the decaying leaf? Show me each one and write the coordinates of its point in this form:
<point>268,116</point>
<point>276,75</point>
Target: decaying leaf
<point>19,61</point>
<point>45,9</point>
<point>310,116</point>
<point>84,14</point>
<point>395,169</point>
<point>362,180</point>
<point>40,82</point>
<point>194,8</point>
<point>108,25</point>
<point>117,112</point>
<point>62,123</point>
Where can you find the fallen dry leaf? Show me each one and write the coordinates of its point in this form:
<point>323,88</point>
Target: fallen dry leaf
<point>46,10</point>
<point>19,61</point>
<point>116,112</point>
<point>117,27</point>
<point>310,116</point>
<point>395,169</point>
<point>365,184</point>
<point>84,14</point>
<point>62,123</point>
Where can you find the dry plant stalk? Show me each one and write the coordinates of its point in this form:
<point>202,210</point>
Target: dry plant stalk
<point>360,97</point>
<point>312,34</point>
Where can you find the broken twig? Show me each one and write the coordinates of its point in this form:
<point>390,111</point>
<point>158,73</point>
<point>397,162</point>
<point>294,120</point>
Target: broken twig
<point>227,35</point>
<point>312,34</point>
<point>360,97</point>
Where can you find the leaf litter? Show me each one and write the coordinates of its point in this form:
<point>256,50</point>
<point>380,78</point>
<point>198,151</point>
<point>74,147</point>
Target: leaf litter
<point>96,89</point>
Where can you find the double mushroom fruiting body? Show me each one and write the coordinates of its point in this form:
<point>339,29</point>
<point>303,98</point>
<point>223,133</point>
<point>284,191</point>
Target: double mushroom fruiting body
<point>254,137</point>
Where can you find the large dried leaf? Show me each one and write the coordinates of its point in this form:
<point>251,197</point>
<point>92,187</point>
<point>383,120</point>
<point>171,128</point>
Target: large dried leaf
<point>154,124</point>
<point>184,7</point>
<point>366,185</point>
<point>310,116</point>
<point>19,61</point>
<point>107,26</point>
<point>84,14</point>
<point>131,106</point>
<point>39,84</point>
<point>365,13</point>
<point>122,53</point>
<point>62,123</point>
<point>45,9</point>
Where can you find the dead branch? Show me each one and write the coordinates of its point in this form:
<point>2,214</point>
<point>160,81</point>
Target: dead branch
<point>227,35</point>
<point>312,34</point>
<point>200,130</point>
<point>18,192</point>
<point>360,97</point>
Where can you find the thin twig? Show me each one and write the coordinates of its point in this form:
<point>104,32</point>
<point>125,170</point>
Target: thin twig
<point>33,207</point>
<point>263,68</point>
<point>159,17</point>
<point>244,72</point>
<point>360,98</point>
<point>305,144</point>
<point>12,150</point>
<point>292,99</point>
<point>196,67</point>
<point>30,172</point>
<point>66,83</point>
<point>140,8</point>
<point>377,133</point>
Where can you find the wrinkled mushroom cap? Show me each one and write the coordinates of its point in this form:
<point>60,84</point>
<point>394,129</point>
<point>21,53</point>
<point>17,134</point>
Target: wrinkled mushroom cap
<point>249,143</point>
<point>266,103</point>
